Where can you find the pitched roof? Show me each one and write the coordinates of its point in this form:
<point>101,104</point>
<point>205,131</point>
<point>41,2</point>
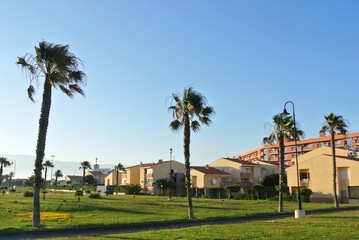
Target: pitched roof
<point>209,170</point>
<point>236,160</point>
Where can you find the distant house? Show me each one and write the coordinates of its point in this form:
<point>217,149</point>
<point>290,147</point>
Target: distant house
<point>316,173</point>
<point>208,180</point>
<point>99,174</point>
<point>73,180</point>
<point>146,174</point>
<point>110,179</point>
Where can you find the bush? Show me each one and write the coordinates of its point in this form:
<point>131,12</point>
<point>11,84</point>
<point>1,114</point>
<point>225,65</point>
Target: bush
<point>264,192</point>
<point>245,196</point>
<point>12,190</point>
<point>79,193</point>
<point>305,194</point>
<point>94,195</point>
<point>28,194</point>
<point>132,189</point>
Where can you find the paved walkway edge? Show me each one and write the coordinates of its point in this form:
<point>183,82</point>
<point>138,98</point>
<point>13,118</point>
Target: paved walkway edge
<point>147,226</point>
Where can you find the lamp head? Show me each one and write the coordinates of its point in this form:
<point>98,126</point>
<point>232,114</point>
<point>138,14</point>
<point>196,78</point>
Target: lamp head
<point>285,112</point>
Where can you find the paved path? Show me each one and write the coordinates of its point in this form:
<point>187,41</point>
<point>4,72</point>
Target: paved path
<point>137,227</point>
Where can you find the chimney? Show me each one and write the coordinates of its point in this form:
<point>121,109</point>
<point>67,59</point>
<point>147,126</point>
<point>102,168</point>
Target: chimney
<point>160,160</point>
<point>207,167</point>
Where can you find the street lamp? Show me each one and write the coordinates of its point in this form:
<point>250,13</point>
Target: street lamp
<point>13,176</point>
<point>170,196</point>
<point>14,162</point>
<point>296,151</point>
<point>52,161</point>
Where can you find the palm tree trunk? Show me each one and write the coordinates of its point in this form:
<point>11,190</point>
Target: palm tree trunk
<point>187,136</point>
<point>117,182</point>
<point>281,174</point>
<point>1,171</point>
<point>336,202</point>
<point>83,179</point>
<point>40,149</point>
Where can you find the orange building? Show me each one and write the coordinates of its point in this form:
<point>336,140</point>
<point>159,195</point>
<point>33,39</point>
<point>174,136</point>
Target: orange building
<point>270,153</point>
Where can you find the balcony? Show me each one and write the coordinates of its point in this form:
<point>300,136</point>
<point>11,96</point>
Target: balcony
<point>245,175</point>
<point>245,185</point>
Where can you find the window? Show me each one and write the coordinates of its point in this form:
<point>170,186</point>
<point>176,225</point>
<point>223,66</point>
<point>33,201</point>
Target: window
<point>149,180</point>
<point>354,192</point>
<point>264,171</point>
<point>304,175</point>
<point>343,194</point>
<point>226,180</point>
<point>149,171</point>
<point>344,174</point>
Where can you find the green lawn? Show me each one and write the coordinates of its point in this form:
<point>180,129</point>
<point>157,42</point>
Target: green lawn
<point>343,225</point>
<point>63,211</point>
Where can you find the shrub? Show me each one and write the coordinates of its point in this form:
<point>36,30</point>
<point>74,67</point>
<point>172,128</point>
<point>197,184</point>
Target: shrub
<point>94,195</point>
<point>28,194</point>
<point>12,190</point>
<point>264,192</point>
<point>132,189</point>
<point>245,196</point>
<point>305,194</point>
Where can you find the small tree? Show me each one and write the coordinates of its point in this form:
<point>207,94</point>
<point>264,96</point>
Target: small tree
<point>163,184</point>
<point>232,189</point>
<point>118,167</point>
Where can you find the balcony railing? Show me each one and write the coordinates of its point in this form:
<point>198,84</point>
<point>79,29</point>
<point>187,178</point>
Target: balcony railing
<point>245,174</point>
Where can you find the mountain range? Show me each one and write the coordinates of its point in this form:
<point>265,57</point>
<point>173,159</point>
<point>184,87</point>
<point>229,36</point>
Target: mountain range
<point>23,166</point>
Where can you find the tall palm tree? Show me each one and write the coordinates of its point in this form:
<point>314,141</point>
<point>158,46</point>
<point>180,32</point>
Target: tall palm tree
<point>58,174</point>
<point>11,175</point>
<point>84,166</point>
<point>334,124</point>
<point>58,67</point>
<point>3,164</point>
<point>282,129</point>
<point>118,167</point>
<point>47,164</point>
<point>186,108</point>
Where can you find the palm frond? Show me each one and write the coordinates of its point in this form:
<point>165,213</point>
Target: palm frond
<point>31,92</point>
<point>195,126</point>
<point>175,125</point>
<point>66,91</point>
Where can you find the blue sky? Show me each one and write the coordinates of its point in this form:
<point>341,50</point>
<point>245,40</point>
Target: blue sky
<point>247,57</point>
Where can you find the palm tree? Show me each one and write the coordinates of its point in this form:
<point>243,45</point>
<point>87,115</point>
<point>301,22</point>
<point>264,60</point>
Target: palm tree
<point>59,68</point>
<point>84,165</point>
<point>283,129</point>
<point>47,164</point>
<point>58,174</point>
<point>11,175</point>
<point>334,124</point>
<point>163,184</point>
<point>3,164</point>
<point>188,107</point>
<point>118,167</point>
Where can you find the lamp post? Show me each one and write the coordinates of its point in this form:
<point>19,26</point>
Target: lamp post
<point>52,161</point>
<point>296,151</point>
<point>14,162</point>
<point>170,196</point>
<point>13,180</point>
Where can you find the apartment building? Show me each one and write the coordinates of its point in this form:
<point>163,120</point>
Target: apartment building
<point>270,153</point>
<point>244,173</point>
<point>208,180</point>
<point>316,173</point>
<point>110,179</point>
<point>146,174</point>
